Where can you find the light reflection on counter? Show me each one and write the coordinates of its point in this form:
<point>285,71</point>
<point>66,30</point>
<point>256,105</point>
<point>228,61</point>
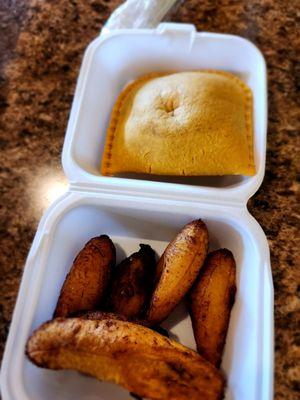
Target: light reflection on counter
<point>46,187</point>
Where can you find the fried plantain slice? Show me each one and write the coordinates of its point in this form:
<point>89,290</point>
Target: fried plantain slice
<point>142,361</point>
<point>133,283</point>
<point>177,269</point>
<point>211,300</point>
<point>86,284</point>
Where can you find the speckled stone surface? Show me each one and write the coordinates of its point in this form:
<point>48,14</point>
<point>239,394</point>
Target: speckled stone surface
<point>42,44</point>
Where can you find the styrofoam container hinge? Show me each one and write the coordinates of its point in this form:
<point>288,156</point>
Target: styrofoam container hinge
<point>88,188</point>
<point>174,28</point>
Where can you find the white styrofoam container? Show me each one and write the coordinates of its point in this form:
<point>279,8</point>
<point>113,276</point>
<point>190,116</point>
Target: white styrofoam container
<point>133,211</point>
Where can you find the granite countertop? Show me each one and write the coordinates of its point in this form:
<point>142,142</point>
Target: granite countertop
<point>42,44</point>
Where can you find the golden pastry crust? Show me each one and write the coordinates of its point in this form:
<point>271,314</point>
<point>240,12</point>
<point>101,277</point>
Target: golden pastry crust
<point>186,123</point>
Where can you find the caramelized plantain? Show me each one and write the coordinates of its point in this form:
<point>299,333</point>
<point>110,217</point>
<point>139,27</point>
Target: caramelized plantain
<point>132,284</point>
<point>142,361</point>
<point>177,269</point>
<point>86,284</point>
<point>211,300</point>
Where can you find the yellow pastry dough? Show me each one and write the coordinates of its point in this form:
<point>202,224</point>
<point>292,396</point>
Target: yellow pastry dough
<point>185,123</point>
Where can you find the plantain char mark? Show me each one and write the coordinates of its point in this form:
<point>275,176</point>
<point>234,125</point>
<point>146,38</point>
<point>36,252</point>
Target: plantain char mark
<point>180,370</point>
<point>135,396</point>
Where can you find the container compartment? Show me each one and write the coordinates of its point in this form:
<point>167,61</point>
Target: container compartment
<point>128,221</point>
<point>112,62</point>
